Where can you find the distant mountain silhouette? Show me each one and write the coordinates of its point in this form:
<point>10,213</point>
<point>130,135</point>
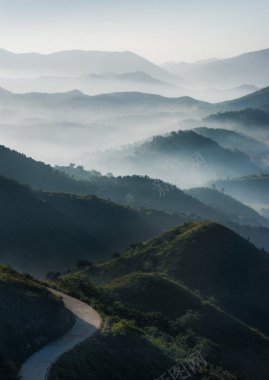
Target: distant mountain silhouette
<point>235,140</point>
<point>121,103</point>
<point>247,117</point>
<point>177,156</point>
<point>137,76</point>
<point>258,99</point>
<point>77,62</point>
<point>253,190</point>
<point>77,98</point>
<point>135,191</point>
<point>234,210</point>
<point>229,72</point>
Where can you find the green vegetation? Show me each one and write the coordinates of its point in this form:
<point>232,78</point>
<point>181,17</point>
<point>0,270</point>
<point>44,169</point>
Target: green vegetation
<point>26,312</point>
<point>153,319</point>
<point>208,257</point>
<point>119,352</point>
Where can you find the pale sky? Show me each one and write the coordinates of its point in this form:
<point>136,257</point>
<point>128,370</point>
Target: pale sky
<point>160,30</point>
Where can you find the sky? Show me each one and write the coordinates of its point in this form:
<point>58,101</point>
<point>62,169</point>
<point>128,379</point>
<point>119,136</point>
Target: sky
<point>160,30</point>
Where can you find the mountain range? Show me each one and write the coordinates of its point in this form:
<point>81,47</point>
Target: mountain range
<point>185,158</point>
<point>153,210</point>
<point>233,140</point>
<point>77,62</point>
<point>230,72</point>
<point>48,229</point>
<point>253,190</point>
<point>249,120</point>
<point>220,73</point>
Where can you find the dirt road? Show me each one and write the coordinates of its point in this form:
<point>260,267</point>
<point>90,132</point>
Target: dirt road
<point>87,322</point>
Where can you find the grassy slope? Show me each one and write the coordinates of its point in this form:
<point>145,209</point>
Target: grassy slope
<point>151,313</point>
<point>210,258</point>
<point>155,322</point>
<point>26,312</point>
<point>240,347</point>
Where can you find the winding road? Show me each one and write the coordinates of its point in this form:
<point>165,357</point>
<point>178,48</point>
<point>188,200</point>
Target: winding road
<point>37,366</point>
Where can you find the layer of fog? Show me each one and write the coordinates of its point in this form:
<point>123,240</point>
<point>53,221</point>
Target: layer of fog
<point>94,84</point>
<point>60,128</point>
<point>64,128</point>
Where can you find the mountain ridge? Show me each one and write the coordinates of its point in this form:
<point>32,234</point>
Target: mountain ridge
<point>78,62</point>
<point>233,71</point>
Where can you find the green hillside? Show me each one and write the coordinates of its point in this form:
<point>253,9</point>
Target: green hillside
<point>26,312</point>
<point>206,257</point>
<point>149,292</point>
<point>152,292</point>
<point>154,322</point>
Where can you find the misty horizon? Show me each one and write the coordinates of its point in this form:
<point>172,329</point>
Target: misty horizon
<point>168,60</point>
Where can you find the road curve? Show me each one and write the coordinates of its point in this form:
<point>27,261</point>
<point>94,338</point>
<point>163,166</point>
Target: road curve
<point>87,322</point>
